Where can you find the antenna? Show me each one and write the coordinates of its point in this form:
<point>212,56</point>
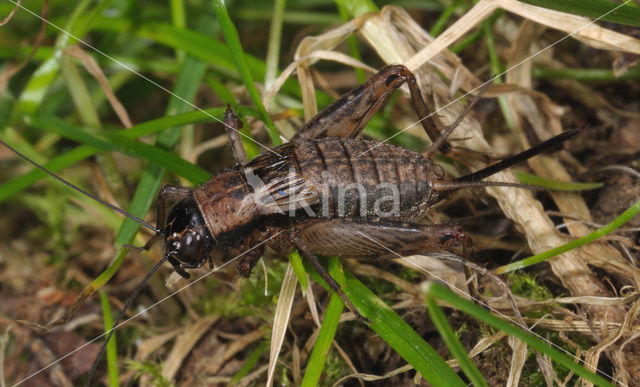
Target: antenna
<point>126,306</point>
<point>78,189</point>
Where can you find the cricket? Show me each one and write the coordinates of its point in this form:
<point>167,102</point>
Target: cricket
<point>328,191</point>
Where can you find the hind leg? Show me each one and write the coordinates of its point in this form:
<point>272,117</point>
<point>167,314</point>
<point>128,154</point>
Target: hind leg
<point>347,116</point>
<point>372,239</point>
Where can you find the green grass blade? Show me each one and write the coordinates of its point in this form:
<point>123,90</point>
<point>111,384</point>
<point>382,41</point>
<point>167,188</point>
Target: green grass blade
<point>396,332</point>
<point>359,7</point>
<point>444,18</point>
<point>605,230</point>
<point>352,42</point>
<point>195,44</point>
<point>233,42</point>
<point>179,119</point>
<point>251,361</point>
<point>439,292</point>
<point>250,145</point>
<point>313,17</point>
<point>299,270</point>
<point>215,53</point>
<point>527,178</point>
<point>37,87</point>
<point>593,74</point>
<point>475,35</point>
<point>178,13</point>
<point>17,141</point>
<point>223,92</point>
<point>88,113</point>
<point>179,19</point>
<point>318,357</point>
<point>114,141</point>
<point>112,351</point>
<point>275,38</point>
<point>80,153</point>
<point>400,336</point>
<point>79,24</point>
<point>494,59</point>
<point>80,94</point>
<point>18,184</point>
<point>454,345</point>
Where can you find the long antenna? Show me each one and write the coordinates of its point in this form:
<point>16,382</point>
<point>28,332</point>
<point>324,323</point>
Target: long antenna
<point>75,187</point>
<point>126,306</point>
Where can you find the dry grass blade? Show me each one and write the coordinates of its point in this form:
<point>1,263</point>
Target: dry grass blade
<point>518,357</point>
<point>242,342</point>
<point>313,56</point>
<point>281,319</point>
<point>184,343</point>
<point>94,69</point>
<point>326,41</point>
<point>572,267</point>
<point>148,346</point>
<point>579,27</point>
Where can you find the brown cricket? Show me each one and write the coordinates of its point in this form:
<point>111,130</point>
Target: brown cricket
<point>325,192</point>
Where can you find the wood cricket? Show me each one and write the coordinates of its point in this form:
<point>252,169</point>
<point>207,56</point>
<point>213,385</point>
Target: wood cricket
<point>325,193</point>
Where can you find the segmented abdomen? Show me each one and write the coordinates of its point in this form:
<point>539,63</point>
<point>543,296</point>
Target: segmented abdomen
<point>360,178</point>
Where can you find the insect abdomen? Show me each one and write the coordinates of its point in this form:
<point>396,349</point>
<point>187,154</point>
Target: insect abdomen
<point>357,178</point>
